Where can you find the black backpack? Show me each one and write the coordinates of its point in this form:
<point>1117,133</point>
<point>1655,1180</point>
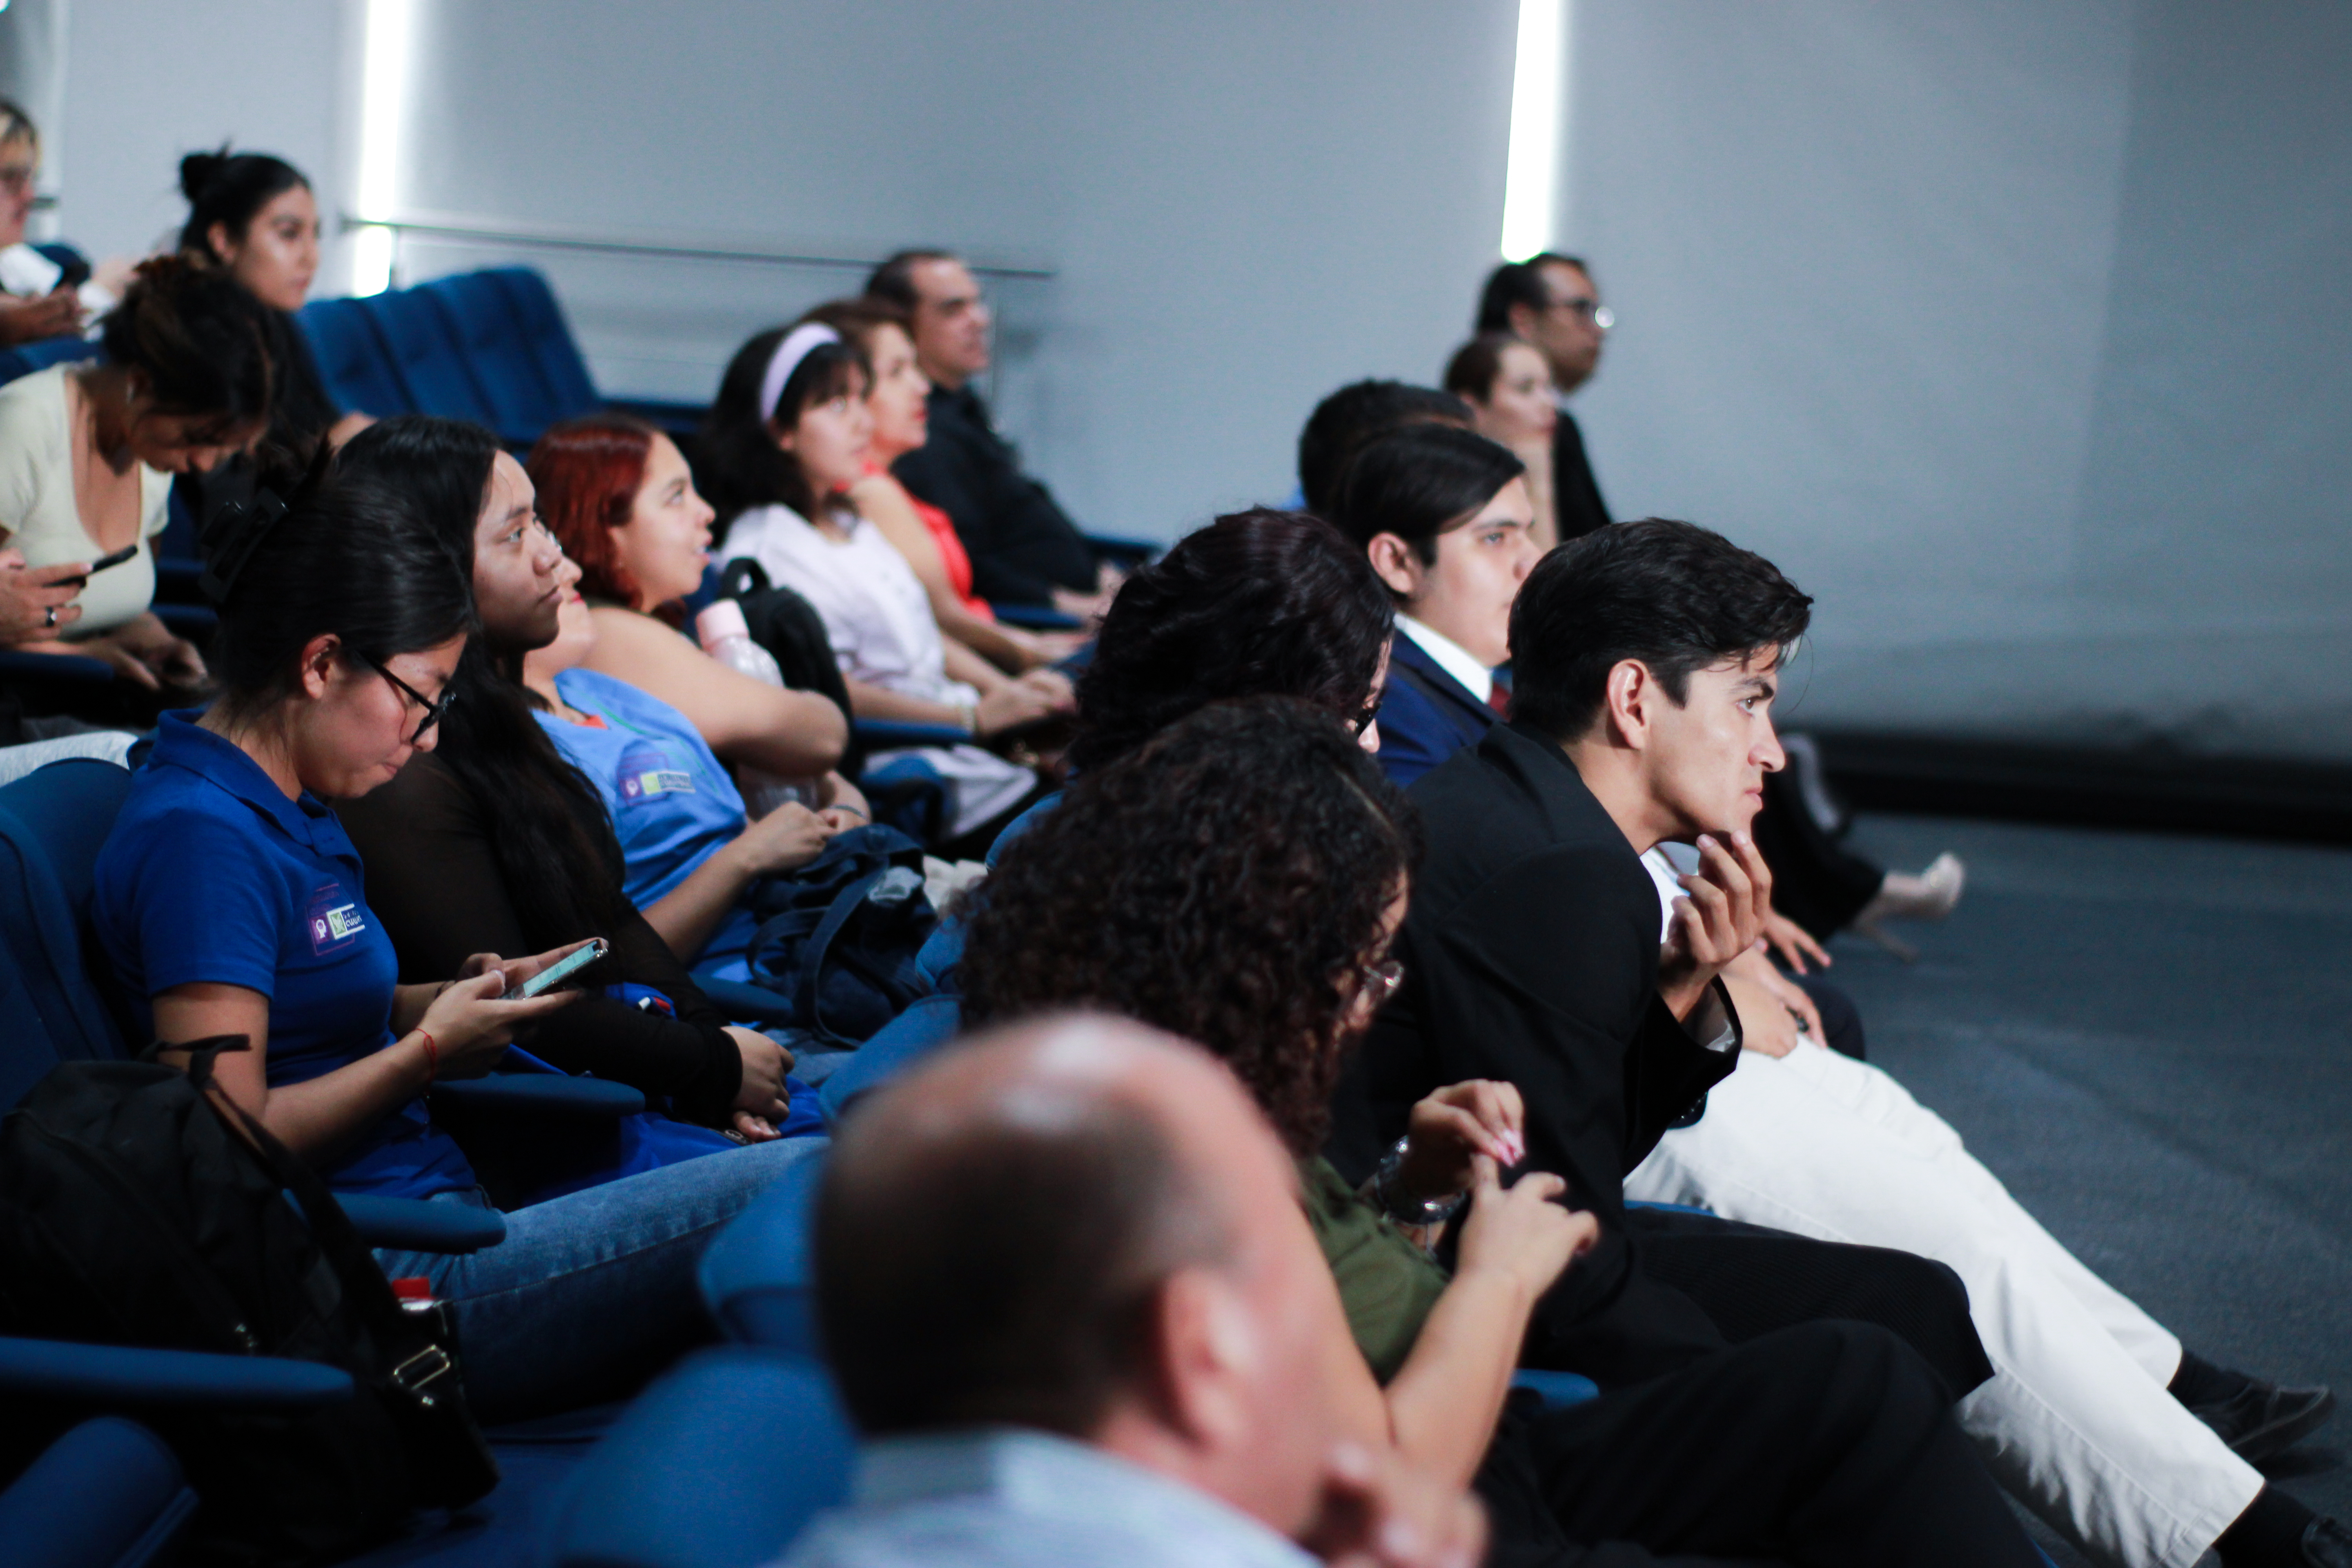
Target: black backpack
<point>839,936</point>
<point>140,1206</point>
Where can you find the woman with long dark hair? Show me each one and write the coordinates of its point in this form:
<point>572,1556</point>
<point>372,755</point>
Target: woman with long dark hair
<point>494,842</point>
<point>230,902</point>
<point>1237,880</point>
<point>785,442</point>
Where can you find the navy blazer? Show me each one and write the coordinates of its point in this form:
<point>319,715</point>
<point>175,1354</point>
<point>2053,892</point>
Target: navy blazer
<point>1425,715</point>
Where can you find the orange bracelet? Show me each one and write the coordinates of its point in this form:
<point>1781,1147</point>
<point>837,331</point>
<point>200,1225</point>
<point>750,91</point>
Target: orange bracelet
<point>432,1055</point>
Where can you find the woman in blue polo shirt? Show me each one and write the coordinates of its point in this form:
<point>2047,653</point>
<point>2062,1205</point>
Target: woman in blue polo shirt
<point>230,902</point>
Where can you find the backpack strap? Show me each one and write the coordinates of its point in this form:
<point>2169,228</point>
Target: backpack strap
<point>806,1007</point>
<point>423,1370</point>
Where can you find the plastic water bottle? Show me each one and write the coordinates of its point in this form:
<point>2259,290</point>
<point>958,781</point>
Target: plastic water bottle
<point>726,638</point>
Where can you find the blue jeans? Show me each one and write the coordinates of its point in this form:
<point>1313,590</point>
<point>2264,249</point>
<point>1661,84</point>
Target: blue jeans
<point>595,1291</point>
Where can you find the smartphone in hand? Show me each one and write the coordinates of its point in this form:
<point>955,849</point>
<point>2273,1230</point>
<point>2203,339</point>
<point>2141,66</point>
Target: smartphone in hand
<point>116,559</point>
<point>562,969</point>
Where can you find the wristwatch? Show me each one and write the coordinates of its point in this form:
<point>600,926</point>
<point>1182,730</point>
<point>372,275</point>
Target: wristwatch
<point>1391,1200</point>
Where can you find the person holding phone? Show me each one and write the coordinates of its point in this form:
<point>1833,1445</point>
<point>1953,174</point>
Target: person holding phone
<point>88,452</point>
<point>494,841</point>
<point>230,902</point>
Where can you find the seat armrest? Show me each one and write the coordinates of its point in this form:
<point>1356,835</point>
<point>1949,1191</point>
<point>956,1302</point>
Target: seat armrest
<point>190,621</point>
<point>16,665</point>
<point>740,1000</point>
<point>889,734</point>
<point>543,1094</point>
<point>412,1224</point>
<point>134,1377</point>
<point>1125,553</point>
<point>1037,617</point>
<point>1557,1389</point>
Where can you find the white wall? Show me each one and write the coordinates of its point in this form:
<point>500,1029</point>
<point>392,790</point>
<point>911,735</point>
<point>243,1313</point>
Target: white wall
<point>2014,331</point>
<point>1244,204</point>
<point>147,82</point>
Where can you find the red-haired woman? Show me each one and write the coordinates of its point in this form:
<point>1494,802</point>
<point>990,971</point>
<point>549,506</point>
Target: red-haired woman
<point>617,495</point>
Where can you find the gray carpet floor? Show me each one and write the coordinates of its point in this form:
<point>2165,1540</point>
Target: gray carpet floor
<point>2149,1039</point>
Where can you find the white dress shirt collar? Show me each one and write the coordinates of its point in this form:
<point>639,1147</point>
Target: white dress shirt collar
<point>1452,658</point>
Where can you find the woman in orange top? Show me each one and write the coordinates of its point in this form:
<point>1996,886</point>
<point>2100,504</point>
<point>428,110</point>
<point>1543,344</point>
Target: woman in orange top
<point>917,530</point>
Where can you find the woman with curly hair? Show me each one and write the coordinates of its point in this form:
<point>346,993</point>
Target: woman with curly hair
<point>1238,879</point>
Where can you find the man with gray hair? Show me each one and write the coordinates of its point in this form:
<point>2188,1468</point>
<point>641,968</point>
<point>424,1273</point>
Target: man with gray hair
<point>1071,1337</point>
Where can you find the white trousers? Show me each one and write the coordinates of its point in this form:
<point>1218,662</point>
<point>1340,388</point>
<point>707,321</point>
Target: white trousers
<point>2075,1422</point>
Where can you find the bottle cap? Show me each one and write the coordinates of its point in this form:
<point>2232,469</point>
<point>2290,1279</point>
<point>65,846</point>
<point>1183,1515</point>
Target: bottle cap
<point>720,619</point>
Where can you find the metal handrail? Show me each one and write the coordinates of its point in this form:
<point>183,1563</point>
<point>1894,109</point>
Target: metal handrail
<point>557,237</point>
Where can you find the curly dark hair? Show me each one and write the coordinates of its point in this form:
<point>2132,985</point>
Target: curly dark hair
<point>1227,882</point>
<point>1259,601</point>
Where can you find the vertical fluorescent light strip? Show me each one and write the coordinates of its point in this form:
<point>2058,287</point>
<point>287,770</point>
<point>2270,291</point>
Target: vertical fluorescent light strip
<point>383,93</point>
<point>1530,185</point>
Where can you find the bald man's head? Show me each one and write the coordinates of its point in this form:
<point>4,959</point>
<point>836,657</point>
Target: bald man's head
<point>994,1229</point>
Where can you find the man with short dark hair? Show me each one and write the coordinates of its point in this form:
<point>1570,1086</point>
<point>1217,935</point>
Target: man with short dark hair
<point>1025,548</point>
<point>1073,1338</point>
<point>1549,300</point>
<point>1358,413</point>
<point>1531,952</point>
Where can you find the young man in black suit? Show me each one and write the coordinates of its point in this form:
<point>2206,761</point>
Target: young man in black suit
<point>1640,712</point>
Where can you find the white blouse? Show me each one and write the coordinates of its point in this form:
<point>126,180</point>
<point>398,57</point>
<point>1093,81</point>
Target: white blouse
<point>38,514</point>
<point>879,621</point>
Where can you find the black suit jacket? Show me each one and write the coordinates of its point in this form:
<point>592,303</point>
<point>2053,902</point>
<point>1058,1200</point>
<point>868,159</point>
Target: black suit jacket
<point>1575,494</point>
<point>1022,545</point>
<point>1530,953</point>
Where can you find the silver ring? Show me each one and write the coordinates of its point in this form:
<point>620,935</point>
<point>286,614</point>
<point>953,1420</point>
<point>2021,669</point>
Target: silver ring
<point>52,614</point>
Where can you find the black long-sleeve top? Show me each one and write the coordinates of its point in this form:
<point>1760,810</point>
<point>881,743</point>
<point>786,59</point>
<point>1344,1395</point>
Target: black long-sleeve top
<point>433,880</point>
<point>1022,545</point>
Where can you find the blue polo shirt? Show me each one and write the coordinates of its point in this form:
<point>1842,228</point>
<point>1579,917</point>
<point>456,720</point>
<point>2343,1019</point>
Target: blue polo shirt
<point>212,875</point>
<point>669,797</point>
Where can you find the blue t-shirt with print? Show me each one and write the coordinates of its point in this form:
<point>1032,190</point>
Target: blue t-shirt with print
<point>212,875</point>
<point>670,798</point>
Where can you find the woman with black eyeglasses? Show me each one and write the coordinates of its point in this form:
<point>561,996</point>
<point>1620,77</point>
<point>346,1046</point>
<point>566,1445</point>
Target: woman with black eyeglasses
<point>231,902</point>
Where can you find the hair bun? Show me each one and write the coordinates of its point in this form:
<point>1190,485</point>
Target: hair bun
<point>198,170</point>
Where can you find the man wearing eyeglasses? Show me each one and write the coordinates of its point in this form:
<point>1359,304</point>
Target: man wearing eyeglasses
<point>1549,300</point>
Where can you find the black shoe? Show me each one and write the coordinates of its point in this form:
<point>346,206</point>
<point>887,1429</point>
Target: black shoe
<point>2264,1419</point>
<point>2326,1544</point>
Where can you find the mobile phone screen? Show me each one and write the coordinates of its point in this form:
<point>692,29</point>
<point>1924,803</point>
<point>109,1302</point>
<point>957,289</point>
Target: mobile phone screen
<point>562,969</point>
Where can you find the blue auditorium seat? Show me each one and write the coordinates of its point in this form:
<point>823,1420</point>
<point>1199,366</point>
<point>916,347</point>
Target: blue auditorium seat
<point>26,358</point>
<point>718,1464</point>
<point>351,358</point>
<point>108,1494</point>
<point>489,334</point>
<point>552,347</point>
<point>758,1278</point>
<point>1555,1388</point>
<point>423,348</point>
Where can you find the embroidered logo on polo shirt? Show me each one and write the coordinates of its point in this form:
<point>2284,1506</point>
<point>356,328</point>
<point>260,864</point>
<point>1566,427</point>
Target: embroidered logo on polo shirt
<point>646,771</point>
<point>334,920</point>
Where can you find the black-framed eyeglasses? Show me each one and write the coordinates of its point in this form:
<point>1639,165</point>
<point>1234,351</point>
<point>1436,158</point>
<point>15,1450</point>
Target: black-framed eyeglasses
<point>433,709</point>
<point>1363,720</point>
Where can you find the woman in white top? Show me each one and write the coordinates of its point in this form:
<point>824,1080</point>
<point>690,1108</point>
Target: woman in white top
<point>787,438</point>
<point>88,452</point>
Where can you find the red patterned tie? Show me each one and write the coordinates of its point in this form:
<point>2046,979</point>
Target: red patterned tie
<point>1498,698</point>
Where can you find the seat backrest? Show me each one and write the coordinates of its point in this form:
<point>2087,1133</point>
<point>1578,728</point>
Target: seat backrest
<point>53,822</point>
<point>759,1277</point>
<point>489,333</point>
<point>553,345</point>
<point>425,356</point>
<point>26,358</point>
<point>718,1464</point>
<point>352,360</point>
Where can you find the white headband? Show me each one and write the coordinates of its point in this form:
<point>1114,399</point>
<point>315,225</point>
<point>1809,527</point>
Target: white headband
<point>798,344</point>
